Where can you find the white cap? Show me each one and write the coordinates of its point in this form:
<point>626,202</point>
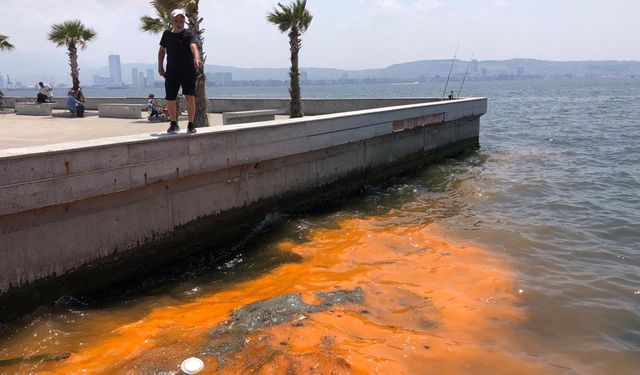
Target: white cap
<point>192,365</point>
<point>179,12</point>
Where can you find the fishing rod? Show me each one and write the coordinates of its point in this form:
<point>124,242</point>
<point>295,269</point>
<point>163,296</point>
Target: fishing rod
<point>465,73</point>
<point>450,70</point>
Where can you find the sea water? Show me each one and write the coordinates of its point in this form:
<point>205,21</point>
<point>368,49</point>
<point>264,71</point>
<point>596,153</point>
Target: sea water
<point>520,257</point>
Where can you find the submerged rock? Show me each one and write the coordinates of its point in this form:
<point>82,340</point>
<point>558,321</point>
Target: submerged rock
<point>262,314</point>
<point>340,297</point>
<point>231,336</point>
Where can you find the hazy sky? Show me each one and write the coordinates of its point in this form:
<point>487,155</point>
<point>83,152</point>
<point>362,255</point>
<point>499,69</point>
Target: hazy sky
<point>349,34</point>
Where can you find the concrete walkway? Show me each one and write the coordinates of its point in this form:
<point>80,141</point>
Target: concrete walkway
<point>24,131</point>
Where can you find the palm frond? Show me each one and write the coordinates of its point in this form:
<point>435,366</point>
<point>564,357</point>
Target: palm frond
<point>302,15</point>
<point>4,43</point>
<point>287,17</point>
<point>153,25</point>
<point>75,32</point>
<point>281,17</point>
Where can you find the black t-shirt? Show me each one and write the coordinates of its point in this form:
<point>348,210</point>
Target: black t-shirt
<point>178,47</point>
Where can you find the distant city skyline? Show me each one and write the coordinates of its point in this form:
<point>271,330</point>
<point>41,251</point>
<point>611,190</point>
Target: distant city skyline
<point>408,72</point>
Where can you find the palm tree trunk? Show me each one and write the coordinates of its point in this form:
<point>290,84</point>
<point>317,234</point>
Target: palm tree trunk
<point>201,119</point>
<point>295,106</point>
<point>73,63</point>
<point>202,103</point>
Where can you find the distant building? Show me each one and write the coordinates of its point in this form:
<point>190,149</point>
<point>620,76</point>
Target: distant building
<point>474,66</point>
<point>142,80</point>
<point>115,71</point>
<point>484,72</point>
<point>520,70</point>
<point>1,81</point>
<point>151,77</point>
<point>101,81</point>
<point>19,85</point>
<point>303,76</point>
<point>135,78</point>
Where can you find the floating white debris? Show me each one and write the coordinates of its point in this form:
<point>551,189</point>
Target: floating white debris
<point>192,365</point>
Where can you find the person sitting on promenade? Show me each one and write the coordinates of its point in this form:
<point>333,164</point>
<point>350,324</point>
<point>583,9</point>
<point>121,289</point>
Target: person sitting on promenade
<point>152,108</point>
<point>74,105</point>
<point>451,96</point>
<point>45,93</point>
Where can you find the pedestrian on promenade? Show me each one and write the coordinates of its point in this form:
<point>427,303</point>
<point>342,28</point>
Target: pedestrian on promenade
<point>74,105</point>
<point>45,93</point>
<point>183,61</point>
<point>451,96</point>
<point>152,109</point>
<point>1,101</point>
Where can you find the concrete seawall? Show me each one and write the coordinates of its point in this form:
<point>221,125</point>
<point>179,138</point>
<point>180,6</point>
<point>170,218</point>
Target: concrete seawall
<point>65,207</point>
<point>312,107</point>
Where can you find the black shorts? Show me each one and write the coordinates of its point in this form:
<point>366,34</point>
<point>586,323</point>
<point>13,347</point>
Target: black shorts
<point>173,82</point>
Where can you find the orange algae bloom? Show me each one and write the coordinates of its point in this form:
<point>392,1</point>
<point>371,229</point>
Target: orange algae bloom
<point>432,304</point>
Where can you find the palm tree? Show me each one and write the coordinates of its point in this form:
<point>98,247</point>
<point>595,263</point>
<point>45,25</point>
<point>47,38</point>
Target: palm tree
<point>295,19</point>
<point>72,34</point>
<point>161,22</point>
<point>4,46</point>
<point>4,43</point>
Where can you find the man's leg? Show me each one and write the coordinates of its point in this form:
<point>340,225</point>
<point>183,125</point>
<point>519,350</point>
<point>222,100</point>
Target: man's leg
<point>171,87</point>
<point>189,91</point>
<point>173,110</point>
<point>191,107</point>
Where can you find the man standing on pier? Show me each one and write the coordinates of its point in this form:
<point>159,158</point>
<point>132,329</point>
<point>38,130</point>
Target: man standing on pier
<point>183,61</point>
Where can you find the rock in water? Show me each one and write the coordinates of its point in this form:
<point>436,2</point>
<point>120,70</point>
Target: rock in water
<point>231,336</point>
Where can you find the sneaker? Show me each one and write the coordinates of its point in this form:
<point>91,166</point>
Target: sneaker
<point>191,128</point>
<point>174,128</point>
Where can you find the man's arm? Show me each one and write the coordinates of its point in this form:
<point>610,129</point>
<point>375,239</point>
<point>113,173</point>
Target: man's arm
<point>197,61</point>
<point>161,54</point>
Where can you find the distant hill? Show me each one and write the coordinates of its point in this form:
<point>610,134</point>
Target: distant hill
<point>425,69</point>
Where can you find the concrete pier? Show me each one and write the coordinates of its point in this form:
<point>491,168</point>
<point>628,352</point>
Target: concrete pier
<point>219,105</point>
<point>67,207</point>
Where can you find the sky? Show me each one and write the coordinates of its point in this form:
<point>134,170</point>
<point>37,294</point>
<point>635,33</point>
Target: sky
<point>345,34</point>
